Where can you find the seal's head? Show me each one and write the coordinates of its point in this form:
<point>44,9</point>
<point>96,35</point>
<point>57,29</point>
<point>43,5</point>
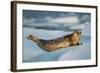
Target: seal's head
<point>75,37</point>
<point>77,33</point>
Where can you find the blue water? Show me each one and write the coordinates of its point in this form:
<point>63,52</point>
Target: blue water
<point>33,53</point>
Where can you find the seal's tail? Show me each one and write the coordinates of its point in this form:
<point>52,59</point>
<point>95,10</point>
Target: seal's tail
<point>33,38</point>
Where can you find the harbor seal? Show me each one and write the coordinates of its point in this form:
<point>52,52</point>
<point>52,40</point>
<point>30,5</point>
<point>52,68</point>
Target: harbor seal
<point>58,43</point>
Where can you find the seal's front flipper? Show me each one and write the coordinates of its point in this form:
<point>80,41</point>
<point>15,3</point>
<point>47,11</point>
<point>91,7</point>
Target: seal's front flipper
<point>79,44</point>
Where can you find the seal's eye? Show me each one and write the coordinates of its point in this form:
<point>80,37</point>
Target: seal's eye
<point>78,32</point>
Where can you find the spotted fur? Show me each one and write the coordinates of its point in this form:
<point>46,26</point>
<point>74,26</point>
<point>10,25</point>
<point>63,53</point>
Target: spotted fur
<point>58,43</point>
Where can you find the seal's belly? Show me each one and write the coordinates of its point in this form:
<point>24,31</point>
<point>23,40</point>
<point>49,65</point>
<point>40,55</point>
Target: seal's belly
<point>54,45</point>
